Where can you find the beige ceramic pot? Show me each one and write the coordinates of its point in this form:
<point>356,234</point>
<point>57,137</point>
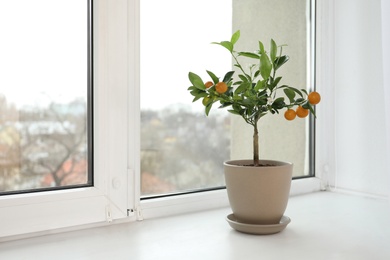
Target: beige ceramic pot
<point>258,195</point>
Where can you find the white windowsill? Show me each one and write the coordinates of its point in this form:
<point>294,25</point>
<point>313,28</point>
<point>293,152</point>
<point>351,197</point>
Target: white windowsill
<point>324,225</point>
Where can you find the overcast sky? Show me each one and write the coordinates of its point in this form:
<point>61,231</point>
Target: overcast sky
<point>175,39</point>
<point>42,53</point>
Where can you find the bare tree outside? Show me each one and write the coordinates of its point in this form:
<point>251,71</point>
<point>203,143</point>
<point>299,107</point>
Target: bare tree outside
<point>45,67</point>
<point>43,147</point>
<point>182,150</point>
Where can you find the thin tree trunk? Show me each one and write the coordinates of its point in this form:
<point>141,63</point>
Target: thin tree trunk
<point>255,146</point>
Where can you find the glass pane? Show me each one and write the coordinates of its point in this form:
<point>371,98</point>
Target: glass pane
<point>181,149</point>
<point>43,94</point>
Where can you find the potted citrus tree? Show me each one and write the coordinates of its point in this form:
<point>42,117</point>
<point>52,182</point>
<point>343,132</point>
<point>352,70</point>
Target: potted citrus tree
<point>258,189</point>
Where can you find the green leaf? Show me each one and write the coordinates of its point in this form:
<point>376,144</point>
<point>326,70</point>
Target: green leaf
<point>228,76</point>
<point>279,61</point>
<point>274,49</point>
<point>233,112</point>
<point>195,92</point>
<point>278,103</point>
<point>228,92</point>
<point>261,47</point>
<point>228,45</point>
<point>256,74</point>
<point>196,81</point>
<point>202,94</point>
<point>207,101</point>
<point>243,78</point>
<point>307,105</point>
<point>277,80</point>
<point>290,94</point>
<point>213,77</point>
<point>237,107</point>
<point>207,108</point>
<point>242,88</point>
<point>235,37</point>
<point>198,94</point>
<point>293,89</point>
<point>225,104</point>
<point>297,91</point>
<point>249,55</point>
<point>197,97</point>
<point>273,83</point>
<point>247,102</point>
<point>259,85</point>
<point>265,66</point>
<point>237,98</point>
<point>262,101</point>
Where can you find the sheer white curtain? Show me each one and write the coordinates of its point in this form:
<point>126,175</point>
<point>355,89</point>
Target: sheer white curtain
<point>385,6</point>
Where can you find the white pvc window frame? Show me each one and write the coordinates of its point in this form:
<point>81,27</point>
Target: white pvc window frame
<point>115,196</point>
<point>109,199</point>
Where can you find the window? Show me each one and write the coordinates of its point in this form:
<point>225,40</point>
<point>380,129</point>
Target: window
<point>108,199</point>
<point>181,149</point>
<point>45,91</point>
<point>116,191</point>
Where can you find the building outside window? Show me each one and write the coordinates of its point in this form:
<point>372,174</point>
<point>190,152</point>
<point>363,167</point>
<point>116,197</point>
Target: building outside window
<point>45,89</point>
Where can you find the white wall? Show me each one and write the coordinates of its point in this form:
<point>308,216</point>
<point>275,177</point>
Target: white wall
<point>286,23</point>
<point>386,74</point>
<point>360,118</point>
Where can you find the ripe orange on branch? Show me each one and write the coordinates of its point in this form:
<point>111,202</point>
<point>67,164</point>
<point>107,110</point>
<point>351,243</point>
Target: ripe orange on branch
<point>208,84</point>
<point>290,114</point>
<point>302,112</point>
<point>221,87</point>
<point>314,98</point>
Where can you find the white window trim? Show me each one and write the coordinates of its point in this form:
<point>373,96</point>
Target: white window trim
<point>109,199</point>
<point>325,129</point>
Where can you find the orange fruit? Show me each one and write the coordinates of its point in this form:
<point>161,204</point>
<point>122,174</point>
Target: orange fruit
<point>290,114</point>
<point>302,112</point>
<point>221,87</point>
<point>314,98</point>
<point>208,84</point>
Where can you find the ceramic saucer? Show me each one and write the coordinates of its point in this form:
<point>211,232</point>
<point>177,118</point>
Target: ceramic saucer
<point>258,229</point>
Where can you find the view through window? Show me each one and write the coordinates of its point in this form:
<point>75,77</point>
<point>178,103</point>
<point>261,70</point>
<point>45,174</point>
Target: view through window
<point>44,89</point>
<point>181,148</point>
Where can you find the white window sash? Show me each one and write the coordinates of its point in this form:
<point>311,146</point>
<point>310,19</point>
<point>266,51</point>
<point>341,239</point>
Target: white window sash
<point>325,121</point>
<point>110,198</point>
